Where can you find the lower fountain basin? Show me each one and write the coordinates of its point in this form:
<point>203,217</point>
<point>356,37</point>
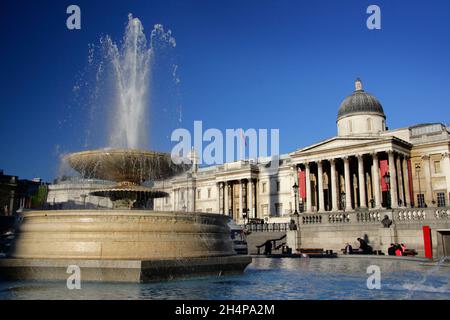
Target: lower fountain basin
<point>122,245</point>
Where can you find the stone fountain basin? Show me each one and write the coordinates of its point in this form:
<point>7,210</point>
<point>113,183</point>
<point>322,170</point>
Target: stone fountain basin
<point>130,165</point>
<point>121,234</point>
<point>121,245</point>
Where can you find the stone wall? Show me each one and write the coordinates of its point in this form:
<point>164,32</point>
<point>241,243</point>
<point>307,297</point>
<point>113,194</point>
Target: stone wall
<point>334,230</point>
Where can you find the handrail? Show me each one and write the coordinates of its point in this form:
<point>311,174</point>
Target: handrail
<point>273,240</point>
<point>274,244</point>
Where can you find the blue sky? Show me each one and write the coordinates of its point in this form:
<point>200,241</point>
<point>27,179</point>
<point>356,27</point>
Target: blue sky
<point>251,64</point>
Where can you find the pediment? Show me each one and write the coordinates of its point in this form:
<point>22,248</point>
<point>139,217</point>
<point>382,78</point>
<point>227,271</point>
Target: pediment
<point>339,143</point>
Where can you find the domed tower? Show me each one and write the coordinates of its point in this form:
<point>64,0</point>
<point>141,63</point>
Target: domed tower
<point>360,114</point>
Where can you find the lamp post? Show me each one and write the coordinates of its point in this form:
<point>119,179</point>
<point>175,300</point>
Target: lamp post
<point>387,180</point>
<point>295,187</point>
<point>418,179</point>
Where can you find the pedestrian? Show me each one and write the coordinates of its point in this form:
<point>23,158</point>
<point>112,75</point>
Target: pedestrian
<point>348,248</point>
<point>391,250</point>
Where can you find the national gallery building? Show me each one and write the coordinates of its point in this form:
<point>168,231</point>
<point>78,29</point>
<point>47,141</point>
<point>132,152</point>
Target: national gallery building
<point>365,167</point>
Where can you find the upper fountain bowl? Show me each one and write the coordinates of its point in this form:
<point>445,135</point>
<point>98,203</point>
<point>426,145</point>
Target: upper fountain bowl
<point>132,165</point>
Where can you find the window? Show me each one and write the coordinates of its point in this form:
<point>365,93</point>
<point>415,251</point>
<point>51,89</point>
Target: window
<point>369,124</point>
<point>264,187</point>
<point>209,193</point>
<point>437,167</point>
<point>420,200</point>
<point>199,193</point>
<point>278,186</point>
<point>350,127</point>
<point>441,199</point>
<point>264,209</point>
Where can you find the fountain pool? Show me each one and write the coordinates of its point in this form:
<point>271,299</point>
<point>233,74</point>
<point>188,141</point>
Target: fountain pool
<point>266,278</point>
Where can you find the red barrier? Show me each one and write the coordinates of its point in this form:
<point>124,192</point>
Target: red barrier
<point>427,242</point>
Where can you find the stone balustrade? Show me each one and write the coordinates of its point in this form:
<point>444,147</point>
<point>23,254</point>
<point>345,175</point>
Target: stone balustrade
<point>402,215</point>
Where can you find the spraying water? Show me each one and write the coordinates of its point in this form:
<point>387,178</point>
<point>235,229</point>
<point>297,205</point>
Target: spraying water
<point>131,63</point>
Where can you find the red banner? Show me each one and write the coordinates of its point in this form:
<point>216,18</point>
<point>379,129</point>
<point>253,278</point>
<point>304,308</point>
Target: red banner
<point>302,184</point>
<point>384,168</point>
<point>427,242</point>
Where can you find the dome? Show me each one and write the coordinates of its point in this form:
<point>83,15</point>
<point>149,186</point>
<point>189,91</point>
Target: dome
<point>360,102</point>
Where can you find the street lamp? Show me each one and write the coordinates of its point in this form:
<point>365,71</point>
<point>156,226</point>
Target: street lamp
<point>387,180</point>
<point>295,187</point>
<point>418,179</point>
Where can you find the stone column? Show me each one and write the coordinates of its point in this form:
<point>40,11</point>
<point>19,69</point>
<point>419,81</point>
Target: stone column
<point>218,188</point>
<point>406,182</point>
<point>320,183</point>
<point>226,190</point>
<point>348,190</point>
<point>174,202</point>
<point>400,182</point>
<point>308,188</point>
<point>445,165</point>
<point>393,180</point>
<point>362,182</point>
<point>255,198</point>
<point>334,199</point>
<point>11,203</point>
<point>241,202</point>
<point>376,183</point>
<point>427,175</point>
<point>250,197</point>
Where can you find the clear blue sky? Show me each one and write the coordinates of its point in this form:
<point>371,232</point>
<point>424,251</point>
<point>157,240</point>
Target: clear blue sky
<point>243,63</point>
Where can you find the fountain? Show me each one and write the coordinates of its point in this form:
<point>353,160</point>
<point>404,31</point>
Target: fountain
<point>126,243</point>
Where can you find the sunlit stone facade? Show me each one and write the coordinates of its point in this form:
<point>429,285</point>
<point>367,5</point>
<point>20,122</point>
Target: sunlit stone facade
<point>365,167</point>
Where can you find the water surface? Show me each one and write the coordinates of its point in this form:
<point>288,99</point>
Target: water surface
<point>267,279</point>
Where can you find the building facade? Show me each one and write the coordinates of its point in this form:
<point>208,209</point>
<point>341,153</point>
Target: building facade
<point>365,167</point>
<point>17,194</point>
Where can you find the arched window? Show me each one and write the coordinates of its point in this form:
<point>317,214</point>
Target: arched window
<point>369,124</point>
